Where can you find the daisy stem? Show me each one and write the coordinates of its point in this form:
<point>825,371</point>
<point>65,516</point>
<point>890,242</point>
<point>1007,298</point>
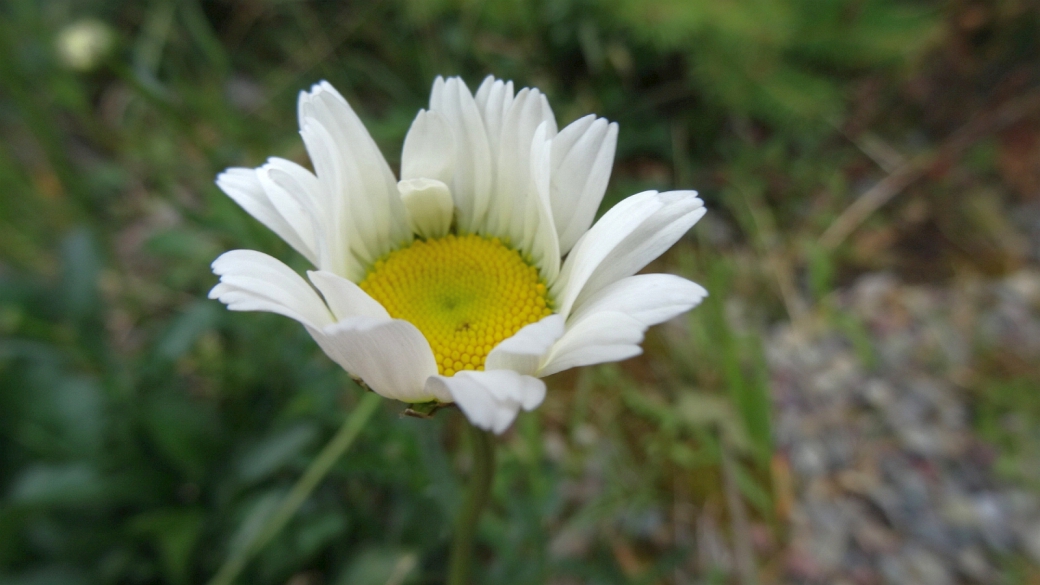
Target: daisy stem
<point>478,493</point>
<point>299,493</point>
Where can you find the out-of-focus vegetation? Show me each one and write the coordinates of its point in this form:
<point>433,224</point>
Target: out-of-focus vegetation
<point>145,431</point>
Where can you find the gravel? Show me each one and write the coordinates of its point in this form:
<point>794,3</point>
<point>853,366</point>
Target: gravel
<point>891,485</point>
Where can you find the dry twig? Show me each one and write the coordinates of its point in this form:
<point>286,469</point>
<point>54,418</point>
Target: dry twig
<point>980,126</point>
<point>743,551</point>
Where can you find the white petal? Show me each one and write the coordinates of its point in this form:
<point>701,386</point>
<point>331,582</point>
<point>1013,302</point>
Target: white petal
<point>494,97</point>
<point>391,356</point>
<point>345,298</point>
<point>298,180</point>
<point>482,93</point>
<point>346,220</point>
<point>305,188</point>
<point>605,336</point>
<point>357,216</point>
<point>294,206</point>
<point>429,204</point>
<point>681,211</point>
<point>254,281</point>
<point>582,157</point>
<point>647,298</point>
<point>491,399</point>
<point>507,214</point>
<point>630,235</point>
<point>590,250</point>
<point>243,186</point>
<point>524,350</point>
<point>429,149</point>
<point>540,237</point>
<point>362,175</point>
<point>471,185</point>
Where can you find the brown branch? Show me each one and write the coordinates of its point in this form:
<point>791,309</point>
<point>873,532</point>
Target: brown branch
<point>743,551</point>
<point>979,127</point>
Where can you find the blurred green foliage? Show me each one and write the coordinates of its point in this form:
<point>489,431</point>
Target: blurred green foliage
<point>145,431</point>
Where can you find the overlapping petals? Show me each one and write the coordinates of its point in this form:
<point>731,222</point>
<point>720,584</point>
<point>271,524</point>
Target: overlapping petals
<point>491,399</point>
<point>492,163</point>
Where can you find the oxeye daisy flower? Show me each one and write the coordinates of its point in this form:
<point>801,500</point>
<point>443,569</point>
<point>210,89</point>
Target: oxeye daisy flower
<point>478,272</point>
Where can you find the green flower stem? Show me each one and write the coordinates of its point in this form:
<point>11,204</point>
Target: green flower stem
<point>478,493</point>
<point>317,470</point>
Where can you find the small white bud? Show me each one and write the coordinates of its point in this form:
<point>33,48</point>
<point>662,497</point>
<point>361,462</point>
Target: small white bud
<point>83,44</point>
<point>429,149</point>
<point>429,204</point>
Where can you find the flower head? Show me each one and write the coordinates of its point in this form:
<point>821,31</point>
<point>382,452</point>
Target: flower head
<point>84,44</point>
<point>478,272</point>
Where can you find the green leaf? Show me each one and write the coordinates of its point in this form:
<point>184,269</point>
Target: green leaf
<point>81,263</point>
<point>186,329</point>
<point>275,452</point>
<point>184,432</point>
<point>380,566</point>
<point>174,533</point>
<point>258,511</point>
<point>697,409</point>
<point>49,575</point>
<point>73,484</point>
<point>318,531</point>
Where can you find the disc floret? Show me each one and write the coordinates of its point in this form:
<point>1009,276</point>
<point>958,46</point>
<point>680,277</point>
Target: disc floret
<point>465,293</point>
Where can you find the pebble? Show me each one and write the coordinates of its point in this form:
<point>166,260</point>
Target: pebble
<point>1031,542</point>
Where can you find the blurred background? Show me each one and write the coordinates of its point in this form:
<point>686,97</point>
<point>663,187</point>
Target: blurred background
<point>858,401</point>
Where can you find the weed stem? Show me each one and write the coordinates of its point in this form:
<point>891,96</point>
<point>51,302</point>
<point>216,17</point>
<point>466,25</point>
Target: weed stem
<point>482,443</point>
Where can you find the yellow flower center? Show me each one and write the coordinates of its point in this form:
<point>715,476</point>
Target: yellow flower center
<point>464,293</point>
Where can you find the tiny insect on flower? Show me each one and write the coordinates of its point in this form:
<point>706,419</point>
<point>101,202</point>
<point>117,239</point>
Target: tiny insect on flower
<point>481,270</point>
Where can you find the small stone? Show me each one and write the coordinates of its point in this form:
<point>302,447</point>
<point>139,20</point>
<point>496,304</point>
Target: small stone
<point>920,440</point>
<point>802,566</point>
<point>894,570</point>
<point>926,568</point>
<point>830,537</point>
<point>993,523</point>
<point>586,435</point>
<point>856,481</point>
<point>888,501</point>
<point>929,529</point>
<point>841,448</point>
<point>1025,284</point>
<point>555,446</point>
<point>1030,539</point>
<point>874,538</point>
<point>809,458</point>
<point>960,512</point>
<point>1021,504</point>
<point>972,563</point>
<point>878,394</point>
